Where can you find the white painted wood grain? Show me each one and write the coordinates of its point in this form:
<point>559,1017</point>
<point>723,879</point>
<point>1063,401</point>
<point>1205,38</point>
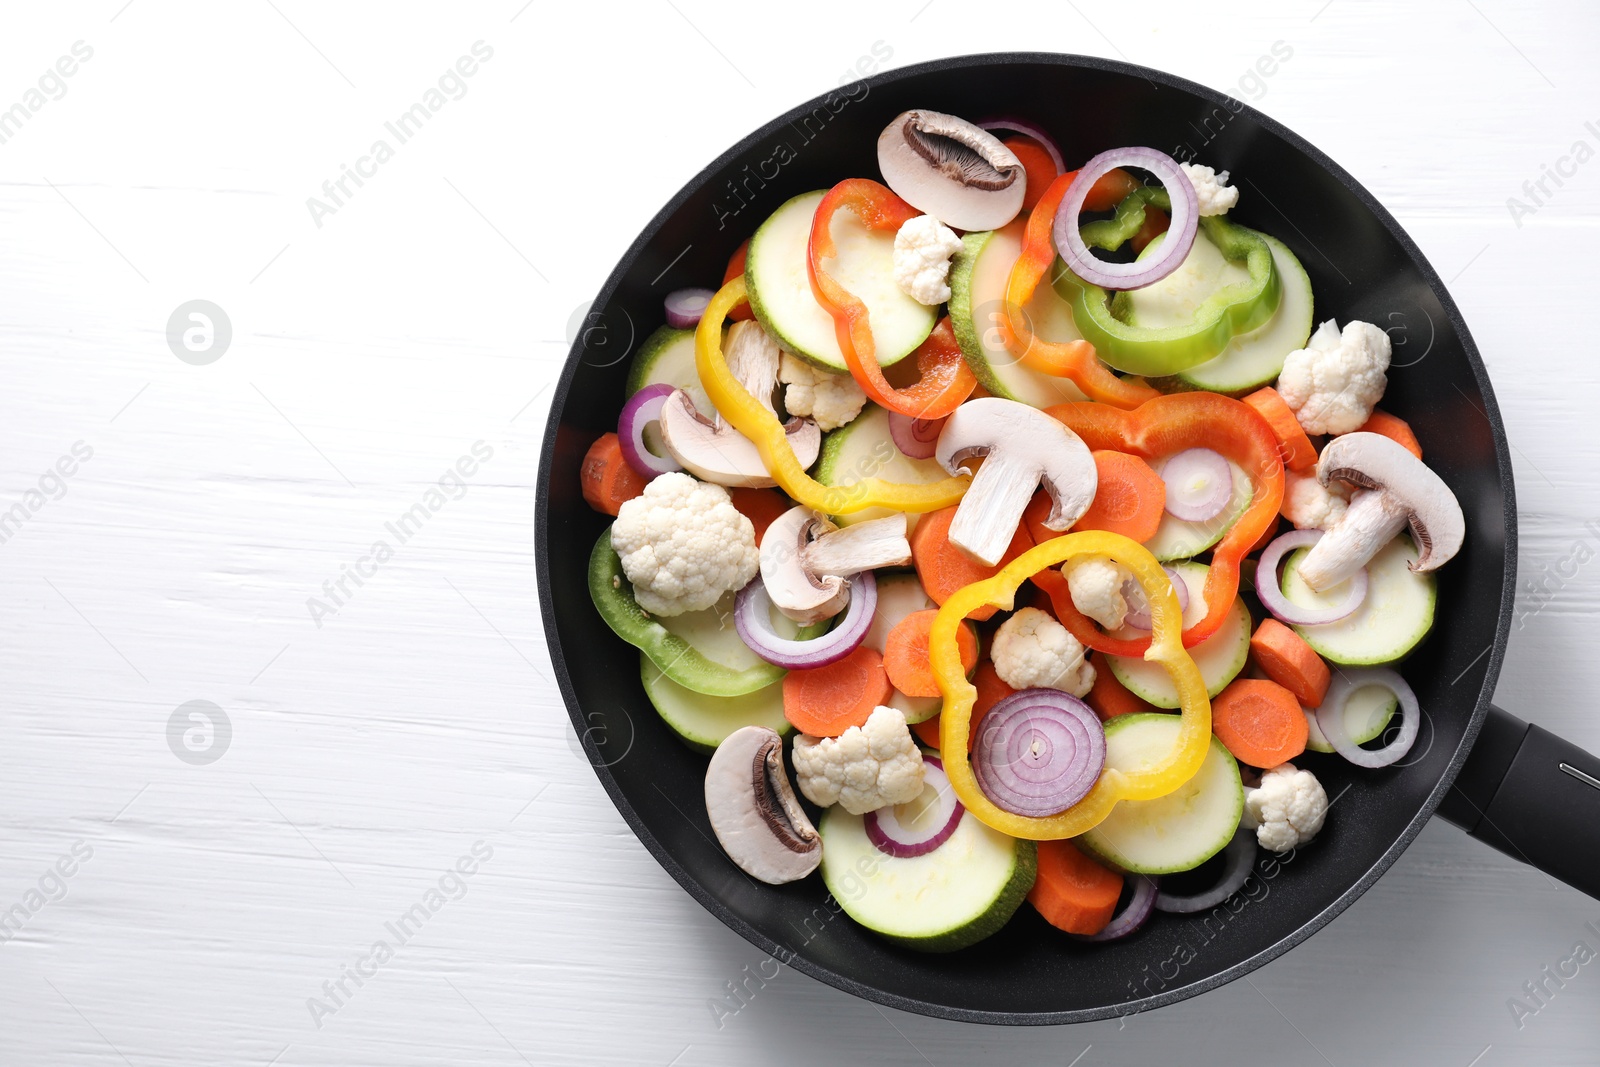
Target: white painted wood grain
<point>425,315</point>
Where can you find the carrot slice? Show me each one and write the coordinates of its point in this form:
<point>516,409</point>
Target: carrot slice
<point>944,568</point>
<point>607,480</point>
<point>736,268</point>
<point>1073,892</point>
<point>991,690</point>
<point>1260,722</point>
<point>1289,661</point>
<point>1395,429</point>
<point>1109,697</point>
<point>827,701</point>
<point>760,506</point>
<point>1037,166</point>
<point>905,653</point>
<point>1129,500</point>
<point>1298,452</point>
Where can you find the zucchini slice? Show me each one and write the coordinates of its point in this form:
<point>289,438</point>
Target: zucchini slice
<point>1220,657</point>
<point>947,899</point>
<point>780,286</point>
<point>1394,618</point>
<point>1177,832</point>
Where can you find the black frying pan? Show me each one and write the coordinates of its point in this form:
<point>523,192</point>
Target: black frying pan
<point>1517,787</point>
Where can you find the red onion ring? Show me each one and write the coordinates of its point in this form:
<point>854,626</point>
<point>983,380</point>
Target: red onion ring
<point>917,438</point>
<point>685,306</point>
<point>1130,918</point>
<point>1029,129</point>
<point>1038,752</point>
<point>894,838</point>
<point>1180,232</point>
<point>1199,484</point>
<point>1271,592</point>
<point>752,617</point>
<point>643,408</point>
<point>1330,716</point>
<point>1240,854</point>
<point>1139,618</point>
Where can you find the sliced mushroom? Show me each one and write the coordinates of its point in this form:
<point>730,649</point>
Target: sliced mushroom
<point>1396,489</point>
<point>1022,449</point>
<point>715,452</point>
<point>753,809</point>
<point>805,560</point>
<point>952,169</point>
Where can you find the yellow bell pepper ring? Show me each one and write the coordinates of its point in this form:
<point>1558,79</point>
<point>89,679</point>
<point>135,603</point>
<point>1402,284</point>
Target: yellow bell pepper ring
<point>747,415</point>
<point>1166,648</point>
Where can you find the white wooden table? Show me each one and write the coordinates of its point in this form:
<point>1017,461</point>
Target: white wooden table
<point>376,341</point>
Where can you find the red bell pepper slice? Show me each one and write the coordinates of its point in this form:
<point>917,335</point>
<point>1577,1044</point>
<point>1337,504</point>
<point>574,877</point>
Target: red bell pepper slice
<point>945,380</point>
<point>1162,427</point>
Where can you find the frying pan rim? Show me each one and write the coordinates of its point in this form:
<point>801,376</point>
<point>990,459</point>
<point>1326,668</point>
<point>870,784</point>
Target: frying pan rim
<point>1496,652</point>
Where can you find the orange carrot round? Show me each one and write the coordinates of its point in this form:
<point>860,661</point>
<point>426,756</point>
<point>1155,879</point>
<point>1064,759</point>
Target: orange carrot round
<point>1298,451</point>
<point>905,653</point>
<point>944,568</point>
<point>1289,661</point>
<point>760,506</point>
<point>827,701</point>
<point>927,731</point>
<point>1129,500</point>
<point>1395,428</point>
<point>1260,722</point>
<point>607,480</point>
<point>1109,697</point>
<point>1037,165</point>
<point>1073,892</point>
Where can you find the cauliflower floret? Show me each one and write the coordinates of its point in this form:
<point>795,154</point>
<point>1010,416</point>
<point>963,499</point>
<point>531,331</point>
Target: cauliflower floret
<point>1334,382</point>
<point>1210,188</point>
<point>1310,505</point>
<point>863,769</point>
<point>1287,809</point>
<point>683,544</point>
<point>1096,588</point>
<point>1032,650</point>
<point>832,400</point>
<point>922,250</point>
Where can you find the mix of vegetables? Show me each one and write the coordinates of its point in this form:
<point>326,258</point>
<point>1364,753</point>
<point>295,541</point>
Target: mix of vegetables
<point>959,476</point>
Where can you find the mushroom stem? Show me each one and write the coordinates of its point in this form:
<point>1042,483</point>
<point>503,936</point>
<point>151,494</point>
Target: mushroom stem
<point>1023,449</point>
<point>863,546</point>
<point>753,358</point>
<point>1372,521</point>
<point>988,516</point>
<point>794,589</point>
<point>1399,491</point>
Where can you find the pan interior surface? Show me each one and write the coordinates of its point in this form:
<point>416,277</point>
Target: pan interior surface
<point>1361,266</point>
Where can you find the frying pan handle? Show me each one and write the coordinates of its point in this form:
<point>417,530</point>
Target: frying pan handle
<point>1534,797</point>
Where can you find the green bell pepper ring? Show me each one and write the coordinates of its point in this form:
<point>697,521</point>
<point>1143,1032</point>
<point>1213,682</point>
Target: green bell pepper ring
<point>612,594</point>
<point>1111,234</point>
<point>1156,352</point>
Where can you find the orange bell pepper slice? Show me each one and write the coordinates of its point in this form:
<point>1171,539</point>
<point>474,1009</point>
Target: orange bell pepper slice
<point>1074,360</point>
